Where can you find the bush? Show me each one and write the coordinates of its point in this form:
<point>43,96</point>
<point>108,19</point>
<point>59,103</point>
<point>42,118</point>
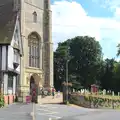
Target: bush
<point>1,100</point>
<point>98,101</point>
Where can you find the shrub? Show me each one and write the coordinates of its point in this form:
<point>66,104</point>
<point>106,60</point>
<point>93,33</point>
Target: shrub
<point>96,101</point>
<point>1,100</point>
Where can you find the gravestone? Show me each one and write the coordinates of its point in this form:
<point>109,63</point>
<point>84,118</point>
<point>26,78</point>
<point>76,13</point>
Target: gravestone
<point>112,93</point>
<point>73,90</point>
<point>104,92</point>
<point>82,91</point>
<point>78,91</point>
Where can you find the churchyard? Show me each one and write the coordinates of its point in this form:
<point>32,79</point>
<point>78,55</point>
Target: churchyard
<point>100,99</point>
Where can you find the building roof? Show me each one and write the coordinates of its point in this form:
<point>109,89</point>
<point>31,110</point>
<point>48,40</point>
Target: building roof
<point>7,21</point>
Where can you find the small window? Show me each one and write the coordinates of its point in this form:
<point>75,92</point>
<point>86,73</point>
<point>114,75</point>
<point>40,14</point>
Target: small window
<point>10,81</point>
<point>35,17</point>
<point>16,56</point>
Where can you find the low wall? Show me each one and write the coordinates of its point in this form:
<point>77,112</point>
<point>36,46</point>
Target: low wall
<point>95,101</point>
<point>79,100</point>
<point>9,99</point>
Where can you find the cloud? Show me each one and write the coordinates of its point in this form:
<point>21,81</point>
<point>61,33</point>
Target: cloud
<point>69,19</point>
<point>113,5</point>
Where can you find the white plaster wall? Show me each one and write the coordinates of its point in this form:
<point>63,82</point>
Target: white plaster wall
<point>11,50</point>
<point>5,84</point>
<point>3,57</point>
<point>14,85</point>
<point>11,58</point>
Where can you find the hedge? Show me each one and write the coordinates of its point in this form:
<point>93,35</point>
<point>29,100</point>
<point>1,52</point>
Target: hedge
<point>1,100</point>
<point>95,101</point>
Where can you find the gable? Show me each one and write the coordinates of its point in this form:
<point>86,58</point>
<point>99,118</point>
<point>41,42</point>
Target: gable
<point>17,39</point>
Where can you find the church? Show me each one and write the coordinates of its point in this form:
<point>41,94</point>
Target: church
<point>26,47</point>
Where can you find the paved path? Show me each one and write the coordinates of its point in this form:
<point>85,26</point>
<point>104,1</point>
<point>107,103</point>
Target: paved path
<point>99,115</point>
<point>56,111</point>
<point>63,112</point>
<point>16,112</point>
<point>49,99</point>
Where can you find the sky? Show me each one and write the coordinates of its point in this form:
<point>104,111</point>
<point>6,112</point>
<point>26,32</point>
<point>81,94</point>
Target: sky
<point>96,18</point>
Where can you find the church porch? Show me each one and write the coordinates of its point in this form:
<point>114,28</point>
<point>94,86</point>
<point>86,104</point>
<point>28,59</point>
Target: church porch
<point>31,75</point>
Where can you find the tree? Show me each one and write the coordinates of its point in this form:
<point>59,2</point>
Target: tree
<point>84,64</point>
<point>116,77</point>
<point>86,57</point>
<point>60,56</point>
<point>107,81</point>
<point>118,52</point>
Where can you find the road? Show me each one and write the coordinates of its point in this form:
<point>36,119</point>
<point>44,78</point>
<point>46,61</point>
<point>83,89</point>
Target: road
<point>55,112</point>
<point>63,112</point>
<point>16,112</point>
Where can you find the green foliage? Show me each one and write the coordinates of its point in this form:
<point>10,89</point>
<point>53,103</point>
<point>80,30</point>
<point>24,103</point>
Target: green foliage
<point>1,100</point>
<point>86,65</point>
<point>84,54</point>
<point>96,101</point>
<point>110,80</point>
<point>118,52</point>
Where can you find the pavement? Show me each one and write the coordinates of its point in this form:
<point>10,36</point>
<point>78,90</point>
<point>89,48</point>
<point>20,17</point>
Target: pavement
<point>64,112</point>
<point>57,111</point>
<point>54,111</point>
<point>49,99</point>
<point>16,112</point>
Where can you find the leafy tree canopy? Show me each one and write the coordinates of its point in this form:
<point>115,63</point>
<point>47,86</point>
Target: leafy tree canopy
<point>84,54</point>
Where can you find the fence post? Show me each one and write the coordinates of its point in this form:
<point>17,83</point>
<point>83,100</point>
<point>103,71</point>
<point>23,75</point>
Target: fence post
<point>8,99</point>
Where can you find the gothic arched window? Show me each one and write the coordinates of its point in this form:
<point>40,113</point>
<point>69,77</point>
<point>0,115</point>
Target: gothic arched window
<point>34,53</point>
<point>35,17</point>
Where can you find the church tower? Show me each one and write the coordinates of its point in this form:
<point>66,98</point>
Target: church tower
<point>36,28</point>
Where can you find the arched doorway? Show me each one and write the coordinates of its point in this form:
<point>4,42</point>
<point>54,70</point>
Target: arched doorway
<point>34,86</point>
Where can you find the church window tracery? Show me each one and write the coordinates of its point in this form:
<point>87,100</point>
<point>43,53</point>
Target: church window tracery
<point>34,53</point>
